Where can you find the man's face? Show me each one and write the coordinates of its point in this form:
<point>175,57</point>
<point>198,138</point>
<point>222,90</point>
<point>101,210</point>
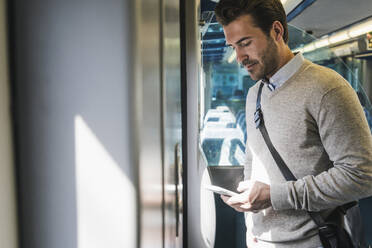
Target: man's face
<point>257,52</point>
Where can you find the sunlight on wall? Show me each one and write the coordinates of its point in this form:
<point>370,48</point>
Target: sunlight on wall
<point>106,202</point>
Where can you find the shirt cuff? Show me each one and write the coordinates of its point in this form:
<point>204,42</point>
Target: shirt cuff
<point>279,196</point>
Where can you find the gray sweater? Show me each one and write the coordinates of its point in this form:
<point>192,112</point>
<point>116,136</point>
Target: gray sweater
<point>317,124</point>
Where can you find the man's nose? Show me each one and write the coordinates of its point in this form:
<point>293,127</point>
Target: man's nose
<point>240,56</point>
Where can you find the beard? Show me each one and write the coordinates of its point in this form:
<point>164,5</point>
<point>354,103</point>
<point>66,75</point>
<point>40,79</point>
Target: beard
<point>267,63</point>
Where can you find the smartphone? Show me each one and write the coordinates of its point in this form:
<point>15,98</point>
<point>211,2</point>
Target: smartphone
<point>220,190</point>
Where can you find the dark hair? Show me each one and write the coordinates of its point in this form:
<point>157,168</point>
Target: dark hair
<point>263,12</point>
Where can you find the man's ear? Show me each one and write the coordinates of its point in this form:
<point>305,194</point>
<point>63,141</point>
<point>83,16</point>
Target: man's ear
<point>278,29</point>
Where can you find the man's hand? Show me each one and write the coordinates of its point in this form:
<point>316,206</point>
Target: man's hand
<point>255,196</point>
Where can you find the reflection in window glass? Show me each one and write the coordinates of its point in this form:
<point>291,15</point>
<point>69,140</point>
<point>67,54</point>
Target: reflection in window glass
<point>212,150</point>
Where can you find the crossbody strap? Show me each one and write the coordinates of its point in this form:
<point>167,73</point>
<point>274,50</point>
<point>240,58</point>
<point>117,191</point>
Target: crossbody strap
<point>288,175</point>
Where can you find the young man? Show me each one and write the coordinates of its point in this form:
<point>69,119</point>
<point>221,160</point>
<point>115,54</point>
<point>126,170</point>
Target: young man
<point>314,120</point>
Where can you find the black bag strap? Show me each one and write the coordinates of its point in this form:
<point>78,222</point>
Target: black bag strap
<point>288,175</point>
<point>258,117</point>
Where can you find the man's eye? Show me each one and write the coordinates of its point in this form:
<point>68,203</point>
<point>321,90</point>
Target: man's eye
<point>245,44</point>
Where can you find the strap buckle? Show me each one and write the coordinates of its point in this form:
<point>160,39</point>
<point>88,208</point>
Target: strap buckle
<point>328,236</point>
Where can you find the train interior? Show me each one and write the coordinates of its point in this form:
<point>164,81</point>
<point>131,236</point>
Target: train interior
<point>114,115</point>
<point>225,85</point>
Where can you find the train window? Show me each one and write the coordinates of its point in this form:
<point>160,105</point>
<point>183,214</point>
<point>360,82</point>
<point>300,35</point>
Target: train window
<point>225,86</point>
<point>348,58</point>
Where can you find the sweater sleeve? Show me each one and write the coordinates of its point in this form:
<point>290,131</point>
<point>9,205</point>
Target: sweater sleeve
<point>346,138</point>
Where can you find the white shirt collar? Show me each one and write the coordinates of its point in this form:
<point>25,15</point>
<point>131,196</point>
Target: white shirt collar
<point>287,71</point>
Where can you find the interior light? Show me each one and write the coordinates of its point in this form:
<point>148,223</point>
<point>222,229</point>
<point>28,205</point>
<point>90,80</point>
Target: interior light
<point>346,34</point>
<point>337,37</point>
<point>322,42</point>
<point>309,47</point>
<point>361,28</point>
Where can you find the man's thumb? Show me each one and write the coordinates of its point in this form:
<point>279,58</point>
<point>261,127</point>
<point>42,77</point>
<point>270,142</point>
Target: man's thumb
<point>244,185</point>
